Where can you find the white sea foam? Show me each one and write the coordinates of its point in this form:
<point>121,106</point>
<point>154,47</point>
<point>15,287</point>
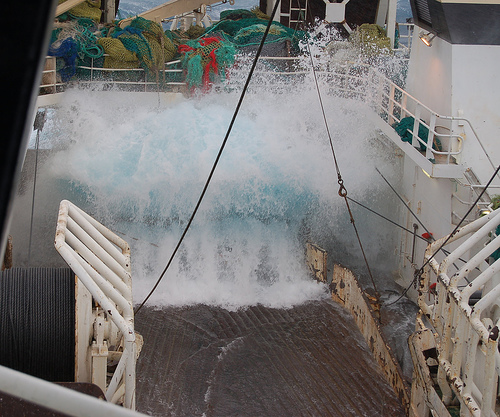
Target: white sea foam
<point>140,169</point>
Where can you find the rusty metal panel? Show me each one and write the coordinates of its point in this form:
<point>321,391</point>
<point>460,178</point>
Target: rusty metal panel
<point>346,290</point>
<point>316,261</point>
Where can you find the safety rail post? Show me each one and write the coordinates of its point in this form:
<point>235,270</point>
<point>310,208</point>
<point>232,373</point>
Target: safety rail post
<point>466,335</point>
<point>430,136</point>
<point>376,83</point>
<point>49,84</point>
<point>404,103</point>
<point>392,91</point>
<point>101,261</point>
<point>416,126</point>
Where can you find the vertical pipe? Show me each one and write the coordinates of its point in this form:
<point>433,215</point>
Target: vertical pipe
<point>490,379</point>
<point>415,228</point>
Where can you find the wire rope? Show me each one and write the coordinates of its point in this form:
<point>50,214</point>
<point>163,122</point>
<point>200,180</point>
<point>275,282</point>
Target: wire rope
<point>431,237</point>
<point>419,272</point>
<point>385,218</point>
<point>342,190</point>
<point>207,183</point>
<point>402,227</point>
<point>404,202</point>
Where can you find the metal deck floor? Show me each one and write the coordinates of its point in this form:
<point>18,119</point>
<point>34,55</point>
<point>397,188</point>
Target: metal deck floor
<point>310,360</point>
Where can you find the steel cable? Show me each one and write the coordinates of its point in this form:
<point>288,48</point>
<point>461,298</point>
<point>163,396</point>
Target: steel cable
<point>342,190</point>
<point>419,272</point>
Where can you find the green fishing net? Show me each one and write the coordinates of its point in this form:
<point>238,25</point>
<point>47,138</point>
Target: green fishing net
<point>372,39</point>
<point>140,44</point>
<point>88,9</point>
<point>206,60</point>
<point>205,54</point>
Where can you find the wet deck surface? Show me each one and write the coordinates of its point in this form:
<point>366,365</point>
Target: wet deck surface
<point>310,360</point>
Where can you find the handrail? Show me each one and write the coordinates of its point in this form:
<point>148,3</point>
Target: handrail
<point>438,137</point>
<point>50,85</point>
<point>467,331</point>
<point>101,261</point>
<point>393,104</point>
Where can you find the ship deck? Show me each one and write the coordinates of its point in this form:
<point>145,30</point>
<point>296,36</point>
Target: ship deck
<point>310,360</point>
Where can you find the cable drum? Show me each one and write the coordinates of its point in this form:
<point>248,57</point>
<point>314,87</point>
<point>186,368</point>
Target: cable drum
<point>37,322</point>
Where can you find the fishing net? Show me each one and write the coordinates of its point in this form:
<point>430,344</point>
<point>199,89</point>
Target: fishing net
<point>206,54</point>
<point>237,14</point>
<point>90,9</point>
<point>206,60</point>
<point>245,30</point>
<point>496,255</point>
<point>74,42</point>
<point>372,39</point>
<point>117,56</point>
<point>142,43</point>
<point>405,127</point>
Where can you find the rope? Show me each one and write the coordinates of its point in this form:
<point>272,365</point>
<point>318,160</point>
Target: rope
<point>385,218</point>
<point>216,159</point>
<point>419,272</point>
<point>404,202</point>
<point>342,190</point>
<point>414,215</point>
<point>37,322</point>
<point>446,252</point>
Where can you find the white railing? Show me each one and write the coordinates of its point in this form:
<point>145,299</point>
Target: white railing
<point>98,74</point>
<point>432,140</point>
<point>117,76</point>
<point>101,261</point>
<point>56,397</point>
<point>49,83</point>
<point>435,135</point>
<point>464,309</point>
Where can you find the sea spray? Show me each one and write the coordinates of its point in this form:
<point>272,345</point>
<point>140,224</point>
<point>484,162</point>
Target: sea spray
<point>139,169</point>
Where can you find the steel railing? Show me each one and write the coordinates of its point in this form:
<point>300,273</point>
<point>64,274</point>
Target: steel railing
<point>101,261</point>
<point>464,310</point>
<point>98,74</point>
<point>437,136</point>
